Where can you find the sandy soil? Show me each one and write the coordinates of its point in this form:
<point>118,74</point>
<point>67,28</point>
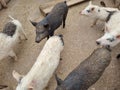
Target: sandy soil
<point>79,40</point>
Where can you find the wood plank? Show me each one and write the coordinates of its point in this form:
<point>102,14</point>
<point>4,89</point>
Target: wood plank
<point>70,3</point>
<point>75,2</point>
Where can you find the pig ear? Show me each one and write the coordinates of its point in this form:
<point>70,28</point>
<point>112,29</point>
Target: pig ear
<point>33,23</point>
<point>90,3</point>
<point>46,25</point>
<point>17,76</point>
<point>59,81</point>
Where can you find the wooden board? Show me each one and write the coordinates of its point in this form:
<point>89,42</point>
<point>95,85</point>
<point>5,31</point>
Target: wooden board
<point>45,10</point>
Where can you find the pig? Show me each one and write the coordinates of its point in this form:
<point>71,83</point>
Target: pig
<point>9,37</point>
<point>97,12</point>
<point>44,67</point>
<point>51,22</point>
<point>112,32</point>
<point>3,86</point>
<point>87,72</point>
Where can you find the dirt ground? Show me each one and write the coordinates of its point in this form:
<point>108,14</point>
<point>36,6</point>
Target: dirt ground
<point>79,40</point>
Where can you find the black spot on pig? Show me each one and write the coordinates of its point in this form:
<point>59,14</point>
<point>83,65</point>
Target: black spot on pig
<point>51,22</point>
<point>111,13</point>
<point>87,73</point>
<point>9,29</point>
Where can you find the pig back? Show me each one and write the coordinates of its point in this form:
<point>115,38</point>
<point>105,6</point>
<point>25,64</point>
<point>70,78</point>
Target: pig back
<point>89,71</point>
<point>55,17</point>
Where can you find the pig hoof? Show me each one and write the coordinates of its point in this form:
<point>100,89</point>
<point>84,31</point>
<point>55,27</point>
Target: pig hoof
<point>15,58</point>
<point>118,56</point>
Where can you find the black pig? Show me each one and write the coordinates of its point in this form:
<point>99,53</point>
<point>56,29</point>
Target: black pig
<point>87,73</point>
<point>51,22</point>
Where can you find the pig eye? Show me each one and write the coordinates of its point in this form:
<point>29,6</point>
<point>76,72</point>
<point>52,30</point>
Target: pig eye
<point>111,39</point>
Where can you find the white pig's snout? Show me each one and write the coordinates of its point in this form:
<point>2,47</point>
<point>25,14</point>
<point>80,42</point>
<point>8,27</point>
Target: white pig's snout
<point>98,42</point>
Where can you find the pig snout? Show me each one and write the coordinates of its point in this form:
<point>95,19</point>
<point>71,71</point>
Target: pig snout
<point>38,39</point>
<point>98,42</point>
<point>40,36</point>
<point>61,37</point>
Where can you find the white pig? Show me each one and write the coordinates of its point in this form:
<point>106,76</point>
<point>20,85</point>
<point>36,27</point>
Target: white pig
<point>97,12</point>
<point>44,67</point>
<point>9,37</point>
<point>112,31</point>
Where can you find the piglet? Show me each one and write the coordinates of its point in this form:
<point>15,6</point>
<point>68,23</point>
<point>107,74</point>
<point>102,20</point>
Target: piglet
<point>87,73</point>
<point>51,22</point>
<point>43,69</point>
<point>9,37</point>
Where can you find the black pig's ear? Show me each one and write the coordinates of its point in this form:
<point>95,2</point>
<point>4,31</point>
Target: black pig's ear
<point>59,81</point>
<point>33,23</point>
<point>46,25</point>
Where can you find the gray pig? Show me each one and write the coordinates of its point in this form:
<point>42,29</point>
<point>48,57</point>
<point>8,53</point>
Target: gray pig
<point>87,73</point>
<point>51,22</point>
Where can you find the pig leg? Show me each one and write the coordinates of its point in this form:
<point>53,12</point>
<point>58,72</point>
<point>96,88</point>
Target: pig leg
<point>13,55</point>
<point>24,34</point>
<point>114,1</point>
<point>3,3</point>
<point>94,23</point>
<point>47,37</point>
<point>51,34</point>
<point>64,19</point>
<point>20,39</point>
